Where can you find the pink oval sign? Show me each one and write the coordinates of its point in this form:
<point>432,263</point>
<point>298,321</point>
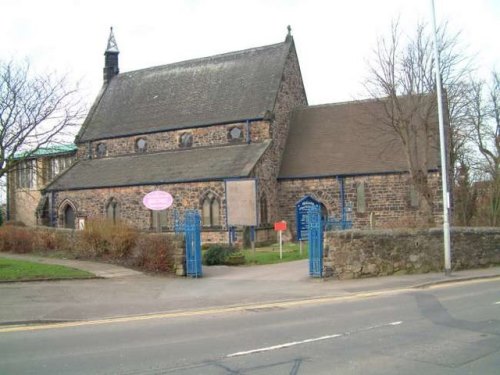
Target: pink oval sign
<point>158,200</point>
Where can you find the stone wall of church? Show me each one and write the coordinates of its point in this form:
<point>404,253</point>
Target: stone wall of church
<point>258,131</point>
<point>23,204</point>
<point>92,203</point>
<point>290,96</point>
<point>388,199</point>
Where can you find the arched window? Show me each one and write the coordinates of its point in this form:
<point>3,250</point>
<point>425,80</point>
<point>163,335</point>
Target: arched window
<point>67,215</point>
<point>324,213</point>
<point>263,210</point>
<point>113,210</point>
<point>210,209</point>
<point>159,222</point>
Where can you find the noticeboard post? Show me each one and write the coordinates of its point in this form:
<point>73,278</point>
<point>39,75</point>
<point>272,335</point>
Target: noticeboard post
<point>280,226</point>
<point>302,208</point>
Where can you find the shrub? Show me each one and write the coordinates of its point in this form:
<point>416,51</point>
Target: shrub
<point>45,241</point>
<point>217,254</point>
<point>48,240</point>
<point>14,223</point>
<point>155,253</point>
<point>235,259</point>
<point>103,238</point>
<point>16,239</point>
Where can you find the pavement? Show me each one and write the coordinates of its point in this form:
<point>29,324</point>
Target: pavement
<point>119,291</point>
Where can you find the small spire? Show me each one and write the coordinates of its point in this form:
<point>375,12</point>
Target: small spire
<point>289,36</point>
<point>112,46</point>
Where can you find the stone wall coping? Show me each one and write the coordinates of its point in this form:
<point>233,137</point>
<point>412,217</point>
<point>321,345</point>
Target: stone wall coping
<point>353,233</point>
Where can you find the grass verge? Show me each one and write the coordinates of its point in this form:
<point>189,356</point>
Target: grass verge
<point>271,254</point>
<point>20,270</point>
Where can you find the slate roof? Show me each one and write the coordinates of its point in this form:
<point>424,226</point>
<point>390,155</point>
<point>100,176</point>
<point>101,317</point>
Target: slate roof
<point>345,139</point>
<point>47,151</point>
<point>220,89</point>
<point>197,164</point>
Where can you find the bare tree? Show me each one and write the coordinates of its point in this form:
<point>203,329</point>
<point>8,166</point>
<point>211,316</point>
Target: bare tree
<point>483,115</point>
<point>36,110</point>
<point>402,79</point>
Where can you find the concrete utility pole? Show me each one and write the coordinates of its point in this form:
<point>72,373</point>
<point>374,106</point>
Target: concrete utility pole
<point>444,164</point>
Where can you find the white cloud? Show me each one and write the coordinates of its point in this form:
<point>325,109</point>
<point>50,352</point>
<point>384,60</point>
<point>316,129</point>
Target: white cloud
<point>333,37</point>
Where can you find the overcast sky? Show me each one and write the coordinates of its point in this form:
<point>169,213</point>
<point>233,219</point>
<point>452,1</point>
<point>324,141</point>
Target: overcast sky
<point>333,38</point>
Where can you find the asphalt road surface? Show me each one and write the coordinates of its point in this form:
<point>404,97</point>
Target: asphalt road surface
<point>450,329</point>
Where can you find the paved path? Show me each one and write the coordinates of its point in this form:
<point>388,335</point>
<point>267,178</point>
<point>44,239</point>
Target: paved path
<point>125,292</point>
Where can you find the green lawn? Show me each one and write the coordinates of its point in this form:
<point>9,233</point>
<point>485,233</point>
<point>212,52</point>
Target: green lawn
<point>271,254</point>
<point>18,270</point>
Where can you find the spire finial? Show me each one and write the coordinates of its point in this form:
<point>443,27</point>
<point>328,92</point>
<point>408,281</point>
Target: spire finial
<point>289,36</point>
<point>112,46</point>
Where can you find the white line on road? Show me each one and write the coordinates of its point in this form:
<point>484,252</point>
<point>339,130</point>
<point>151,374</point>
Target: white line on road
<point>294,343</point>
<point>497,303</point>
<point>285,345</point>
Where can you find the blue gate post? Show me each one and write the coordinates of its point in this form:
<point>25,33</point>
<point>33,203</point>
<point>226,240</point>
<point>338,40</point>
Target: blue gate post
<point>315,237</point>
<point>192,224</point>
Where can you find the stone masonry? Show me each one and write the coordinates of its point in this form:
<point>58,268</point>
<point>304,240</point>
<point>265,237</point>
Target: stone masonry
<point>387,199</point>
<point>355,254</point>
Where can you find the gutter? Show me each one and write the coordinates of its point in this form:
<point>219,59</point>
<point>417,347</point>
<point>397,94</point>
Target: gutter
<point>154,183</point>
<point>161,130</point>
<point>309,177</point>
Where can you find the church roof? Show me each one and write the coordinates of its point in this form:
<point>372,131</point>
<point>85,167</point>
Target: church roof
<point>197,164</point>
<point>219,89</point>
<point>345,139</point>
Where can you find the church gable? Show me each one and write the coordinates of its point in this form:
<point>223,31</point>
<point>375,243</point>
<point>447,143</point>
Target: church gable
<point>226,88</point>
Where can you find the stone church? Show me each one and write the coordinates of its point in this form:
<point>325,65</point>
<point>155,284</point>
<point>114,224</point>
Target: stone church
<point>188,127</point>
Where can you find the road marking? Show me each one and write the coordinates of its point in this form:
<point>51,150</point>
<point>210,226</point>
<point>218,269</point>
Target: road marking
<point>306,341</point>
<point>497,303</point>
<point>285,345</point>
<point>191,313</point>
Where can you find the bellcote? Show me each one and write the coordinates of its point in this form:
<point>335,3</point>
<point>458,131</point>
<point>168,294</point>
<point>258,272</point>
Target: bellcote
<point>111,58</point>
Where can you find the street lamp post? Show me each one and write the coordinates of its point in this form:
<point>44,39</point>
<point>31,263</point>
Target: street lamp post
<point>444,171</point>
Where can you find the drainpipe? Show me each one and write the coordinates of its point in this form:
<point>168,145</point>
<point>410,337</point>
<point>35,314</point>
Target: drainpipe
<point>89,150</point>
<point>51,210</point>
<point>342,199</point>
<point>7,198</point>
<point>248,132</point>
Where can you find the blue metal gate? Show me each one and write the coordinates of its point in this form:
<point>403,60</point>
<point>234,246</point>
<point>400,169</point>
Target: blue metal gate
<point>192,224</point>
<point>315,237</point>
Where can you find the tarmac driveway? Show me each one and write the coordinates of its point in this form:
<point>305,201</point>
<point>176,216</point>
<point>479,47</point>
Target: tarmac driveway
<point>288,271</point>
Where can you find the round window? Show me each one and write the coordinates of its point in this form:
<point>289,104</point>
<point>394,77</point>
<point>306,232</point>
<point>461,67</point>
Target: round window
<point>235,134</point>
<point>141,145</point>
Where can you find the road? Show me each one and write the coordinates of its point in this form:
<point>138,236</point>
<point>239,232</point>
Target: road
<point>449,329</point>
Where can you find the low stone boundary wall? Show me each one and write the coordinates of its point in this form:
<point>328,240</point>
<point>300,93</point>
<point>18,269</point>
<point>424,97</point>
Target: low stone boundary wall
<point>355,254</point>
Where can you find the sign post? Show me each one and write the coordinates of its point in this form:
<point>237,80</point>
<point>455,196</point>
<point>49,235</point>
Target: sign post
<point>280,226</point>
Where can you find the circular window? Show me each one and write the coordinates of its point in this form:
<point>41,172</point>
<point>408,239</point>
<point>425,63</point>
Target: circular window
<point>235,134</point>
<point>101,150</point>
<point>141,145</point>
